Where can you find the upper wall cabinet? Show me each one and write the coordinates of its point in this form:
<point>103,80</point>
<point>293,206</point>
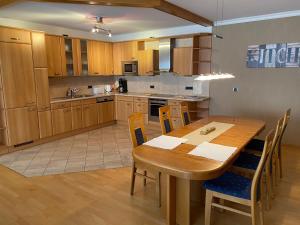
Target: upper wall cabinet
<point>183,61</point>
<point>39,50</point>
<point>15,35</point>
<point>55,55</point>
<point>148,62</point>
<point>100,58</point>
<point>123,51</point>
<point>17,75</point>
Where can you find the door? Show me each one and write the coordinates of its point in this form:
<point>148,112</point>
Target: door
<point>17,75</point>
<point>96,58</point>
<point>148,62</point>
<point>42,88</point>
<point>61,120</point>
<point>39,49</point>
<point>108,56</point>
<point>106,112</point>
<point>183,61</point>
<point>124,109</point>
<point>22,125</point>
<point>55,54</point>
<point>117,58</point>
<point>90,115</point>
<point>76,117</point>
<point>129,50</point>
<point>45,124</point>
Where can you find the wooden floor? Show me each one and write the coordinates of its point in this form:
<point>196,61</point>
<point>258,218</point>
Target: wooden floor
<point>102,198</point>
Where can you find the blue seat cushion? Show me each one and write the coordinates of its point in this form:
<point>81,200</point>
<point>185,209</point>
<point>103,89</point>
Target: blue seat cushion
<point>230,184</point>
<point>139,136</point>
<point>167,126</point>
<point>256,144</point>
<point>247,161</point>
<point>186,118</point>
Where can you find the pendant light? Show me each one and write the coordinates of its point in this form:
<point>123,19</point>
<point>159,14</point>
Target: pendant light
<point>214,75</point>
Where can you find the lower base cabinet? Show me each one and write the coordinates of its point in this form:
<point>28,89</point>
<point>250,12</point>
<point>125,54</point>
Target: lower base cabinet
<point>61,120</point>
<point>124,110</point>
<point>106,112</point>
<point>90,115</point>
<point>45,124</point>
<point>23,125</point>
<point>76,117</point>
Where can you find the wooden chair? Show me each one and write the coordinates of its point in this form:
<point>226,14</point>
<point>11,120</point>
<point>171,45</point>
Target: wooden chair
<point>165,119</point>
<point>239,189</point>
<point>287,117</point>
<point>184,113</point>
<point>138,137</point>
<point>247,164</point>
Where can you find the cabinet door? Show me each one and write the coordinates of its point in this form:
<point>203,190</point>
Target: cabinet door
<point>117,58</point>
<point>54,55</point>
<point>15,35</point>
<point>106,112</point>
<point>124,110</point>
<point>90,115</point>
<point>183,61</point>
<point>146,62</point>
<point>42,88</point>
<point>17,75</point>
<point>108,56</point>
<point>39,49</point>
<point>77,64</point>
<point>141,107</point>
<point>76,117</point>
<point>61,120</point>
<point>129,50</point>
<point>45,124</point>
<point>96,58</point>
<point>22,125</point>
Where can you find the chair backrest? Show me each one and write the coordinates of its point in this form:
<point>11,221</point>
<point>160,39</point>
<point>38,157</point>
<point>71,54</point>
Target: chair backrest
<point>137,129</point>
<point>278,135</point>
<point>257,182</point>
<point>287,117</point>
<point>184,113</point>
<point>165,119</point>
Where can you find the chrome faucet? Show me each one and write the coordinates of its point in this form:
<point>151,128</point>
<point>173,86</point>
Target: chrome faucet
<point>71,92</point>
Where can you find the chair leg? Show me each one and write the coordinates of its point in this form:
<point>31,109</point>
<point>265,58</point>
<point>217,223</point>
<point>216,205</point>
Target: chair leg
<point>133,171</point>
<point>253,214</point>
<point>269,190</point>
<point>208,204</point>
<point>261,213</point>
<point>158,188</point>
<point>145,179</point>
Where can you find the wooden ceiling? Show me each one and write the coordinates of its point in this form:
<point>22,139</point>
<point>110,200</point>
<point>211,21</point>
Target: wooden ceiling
<point>161,5</point>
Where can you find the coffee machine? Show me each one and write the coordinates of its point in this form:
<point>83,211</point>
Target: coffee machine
<point>123,85</point>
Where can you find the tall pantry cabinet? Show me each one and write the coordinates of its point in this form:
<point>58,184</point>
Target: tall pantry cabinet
<point>23,75</point>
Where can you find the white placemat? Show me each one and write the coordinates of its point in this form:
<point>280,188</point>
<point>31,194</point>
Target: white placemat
<point>165,142</point>
<point>195,138</point>
<point>213,151</point>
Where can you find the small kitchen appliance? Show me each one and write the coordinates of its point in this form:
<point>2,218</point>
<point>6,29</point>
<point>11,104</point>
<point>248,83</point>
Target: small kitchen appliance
<point>123,85</point>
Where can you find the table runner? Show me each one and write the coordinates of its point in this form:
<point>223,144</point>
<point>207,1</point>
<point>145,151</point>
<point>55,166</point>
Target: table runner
<point>195,138</point>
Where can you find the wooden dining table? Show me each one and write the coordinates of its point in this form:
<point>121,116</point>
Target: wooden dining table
<point>182,168</point>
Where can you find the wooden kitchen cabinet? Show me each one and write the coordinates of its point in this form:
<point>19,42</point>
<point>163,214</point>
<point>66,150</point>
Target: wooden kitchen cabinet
<point>61,120</point>
<point>108,57</point>
<point>76,117</point>
<point>15,35</point>
<point>45,123</point>
<point>39,49</point>
<point>124,110</point>
<point>55,55</point>
<point>148,62</point>
<point>106,112</point>
<point>42,88</point>
<point>117,60</point>
<point>96,58</point>
<point>23,125</point>
<point>175,113</point>
<point>90,115</point>
<point>17,75</point>
<point>183,61</point>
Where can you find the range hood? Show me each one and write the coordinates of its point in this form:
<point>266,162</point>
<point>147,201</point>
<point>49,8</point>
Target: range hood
<point>164,55</point>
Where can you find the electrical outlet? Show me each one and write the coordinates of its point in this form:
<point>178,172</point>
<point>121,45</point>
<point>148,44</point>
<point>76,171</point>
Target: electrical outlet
<point>189,88</point>
<point>90,86</point>
<point>235,89</point>
<point>152,86</point>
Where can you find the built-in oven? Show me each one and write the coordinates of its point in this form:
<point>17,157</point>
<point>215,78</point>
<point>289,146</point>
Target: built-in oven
<point>154,105</point>
<point>130,68</point>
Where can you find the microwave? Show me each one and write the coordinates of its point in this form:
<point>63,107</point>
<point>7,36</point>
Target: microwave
<point>130,68</point>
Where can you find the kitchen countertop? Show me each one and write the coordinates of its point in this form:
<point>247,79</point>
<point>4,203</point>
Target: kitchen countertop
<point>132,94</point>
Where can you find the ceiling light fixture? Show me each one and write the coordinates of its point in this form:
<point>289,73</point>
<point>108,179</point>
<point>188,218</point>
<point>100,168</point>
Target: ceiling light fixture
<point>98,27</point>
<point>217,19</point>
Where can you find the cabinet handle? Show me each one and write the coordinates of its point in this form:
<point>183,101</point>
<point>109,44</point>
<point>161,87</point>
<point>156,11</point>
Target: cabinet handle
<point>96,73</point>
<point>15,38</point>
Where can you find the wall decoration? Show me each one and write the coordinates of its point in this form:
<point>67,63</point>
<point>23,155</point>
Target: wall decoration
<point>280,55</point>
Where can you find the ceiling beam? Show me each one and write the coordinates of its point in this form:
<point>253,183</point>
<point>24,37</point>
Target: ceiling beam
<point>161,5</point>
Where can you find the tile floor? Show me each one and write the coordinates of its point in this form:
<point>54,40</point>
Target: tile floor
<point>108,147</point>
